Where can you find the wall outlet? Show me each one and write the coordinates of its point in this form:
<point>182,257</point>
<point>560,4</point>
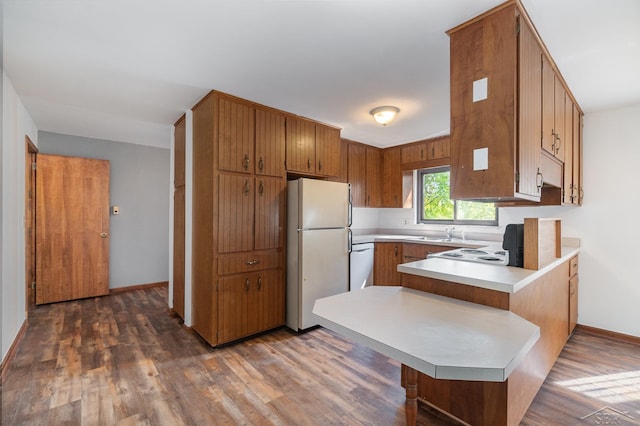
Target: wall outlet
<point>406,221</point>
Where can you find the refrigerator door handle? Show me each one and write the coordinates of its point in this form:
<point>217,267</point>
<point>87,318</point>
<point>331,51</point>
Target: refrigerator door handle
<point>350,241</point>
<point>350,209</point>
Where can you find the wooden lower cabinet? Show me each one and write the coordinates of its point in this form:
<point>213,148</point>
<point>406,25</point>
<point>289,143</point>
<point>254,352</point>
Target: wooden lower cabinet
<point>543,302</point>
<point>386,258</point>
<point>412,252</point>
<point>249,303</point>
<point>573,294</point>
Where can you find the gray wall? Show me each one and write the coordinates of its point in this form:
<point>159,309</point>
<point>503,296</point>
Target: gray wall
<point>139,250</point>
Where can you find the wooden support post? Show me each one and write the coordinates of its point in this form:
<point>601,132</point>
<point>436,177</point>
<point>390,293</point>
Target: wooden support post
<point>411,407</point>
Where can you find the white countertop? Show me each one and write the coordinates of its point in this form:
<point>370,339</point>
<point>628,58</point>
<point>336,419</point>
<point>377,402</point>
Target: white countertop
<point>454,242</point>
<point>442,337</point>
<point>507,279</point>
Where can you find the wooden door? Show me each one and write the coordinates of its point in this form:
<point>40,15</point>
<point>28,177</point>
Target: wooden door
<point>30,222</point>
<point>327,151</point>
<point>235,136</point>
<point>180,136</point>
<point>72,228</point>
<point>270,143</point>
<point>235,214</point>
<point>178,250</point>
<point>269,213</point>
<point>301,145</point>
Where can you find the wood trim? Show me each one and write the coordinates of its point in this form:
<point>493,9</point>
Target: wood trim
<point>11,353</point>
<point>118,290</point>
<point>609,334</point>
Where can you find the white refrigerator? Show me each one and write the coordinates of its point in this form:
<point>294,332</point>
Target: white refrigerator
<point>318,246</point>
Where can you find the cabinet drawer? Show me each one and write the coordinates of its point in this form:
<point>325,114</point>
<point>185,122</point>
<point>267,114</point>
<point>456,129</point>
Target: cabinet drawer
<point>573,266</point>
<point>249,261</point>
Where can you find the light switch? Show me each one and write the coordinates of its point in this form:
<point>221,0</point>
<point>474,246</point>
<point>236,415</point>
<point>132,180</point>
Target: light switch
<point>480,89</point>
<point>115,210</point>
<point>481,159</point>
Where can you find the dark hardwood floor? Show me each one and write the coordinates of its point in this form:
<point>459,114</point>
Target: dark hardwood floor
<point>121,359</point>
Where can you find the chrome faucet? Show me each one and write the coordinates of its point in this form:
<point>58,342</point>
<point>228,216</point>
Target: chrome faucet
<point>449,230</point>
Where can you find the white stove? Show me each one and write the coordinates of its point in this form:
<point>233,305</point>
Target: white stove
<point>495,255</point>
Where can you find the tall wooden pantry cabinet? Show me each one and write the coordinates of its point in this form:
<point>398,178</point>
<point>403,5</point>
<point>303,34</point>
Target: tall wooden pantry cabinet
<point>239,184</point>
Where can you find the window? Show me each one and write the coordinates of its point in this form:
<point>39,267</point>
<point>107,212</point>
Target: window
<point>437,207</point>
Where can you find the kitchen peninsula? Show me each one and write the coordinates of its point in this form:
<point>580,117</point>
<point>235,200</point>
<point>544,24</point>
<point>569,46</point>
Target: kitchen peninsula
<point>542,297</point>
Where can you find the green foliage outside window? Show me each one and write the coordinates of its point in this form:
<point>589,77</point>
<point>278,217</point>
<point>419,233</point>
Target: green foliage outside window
<point>438,207</point>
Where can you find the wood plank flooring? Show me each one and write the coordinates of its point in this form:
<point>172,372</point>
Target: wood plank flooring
<point>121,359</point>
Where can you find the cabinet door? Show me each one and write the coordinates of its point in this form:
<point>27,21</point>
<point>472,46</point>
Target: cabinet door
<point>233,306</point>
<point>358,174</point>
<point>270,143</point>
<point>567,181</point>
<point>267,302</point>
<point>414,153</point>
<point>438,149</point>
<point>269,212</point>
<point>529,114</point>
<point>373,183</point>
<point>577,156</point>
<point>327,151</point>
<point>386,258</point>
<point>235,213</point>
<point>548,106</point>
<point>573,303</point>
<point>301,145</point>
<point>179,146</point>
<point>178,250</point>
<point>391,178</point>
<point>235,136</point>
<point>559,122</point>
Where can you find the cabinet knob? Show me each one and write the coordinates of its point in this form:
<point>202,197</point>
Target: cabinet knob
<point>245,162</point>
<point>246,189</point>
<point>260,164</point>
<point>259,282</point>
<point>261,188</point>
<point>247,284</point>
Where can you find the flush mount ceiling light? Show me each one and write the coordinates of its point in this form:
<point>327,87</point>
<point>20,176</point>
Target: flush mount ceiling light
<point>384,114</point>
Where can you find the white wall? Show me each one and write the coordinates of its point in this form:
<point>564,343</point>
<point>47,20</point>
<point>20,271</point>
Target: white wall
<point>16,124</point>
<point>609,293</point>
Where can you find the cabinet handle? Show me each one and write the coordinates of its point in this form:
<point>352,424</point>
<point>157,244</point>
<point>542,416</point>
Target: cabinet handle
<point>245,162</point>
<point>308,164</point>
<point>259,282</point>
<point>581,197</point>
<point>247,284</point>
<point>260,164</point>
<point>395,251</point>
<point>573,195</point>
<point>319,165</point>
<point>539,180</point>
<point>421,153</point>
<point>252,262</point>
<point>261,188</point>
<point>433,151</point>
<point>559,144</point>
<point>246,189</point>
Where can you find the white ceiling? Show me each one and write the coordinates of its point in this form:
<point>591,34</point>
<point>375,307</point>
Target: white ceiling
<point>126,70</point>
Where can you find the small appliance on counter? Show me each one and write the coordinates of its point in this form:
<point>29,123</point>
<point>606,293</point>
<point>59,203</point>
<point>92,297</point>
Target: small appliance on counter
<point>513,242</point>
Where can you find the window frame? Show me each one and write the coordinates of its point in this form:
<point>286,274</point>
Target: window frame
<point>420,205</point>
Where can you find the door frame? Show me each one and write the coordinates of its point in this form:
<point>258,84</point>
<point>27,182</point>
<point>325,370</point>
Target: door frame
<point>31,157</point>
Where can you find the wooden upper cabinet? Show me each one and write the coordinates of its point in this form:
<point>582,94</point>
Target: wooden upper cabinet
<point>270,141</point>
<point>498,49</point>
<point>373,183</point>
<point>236,135</point>
<point>357,174</point>
<point>439,148</point>
<point>414,152</point>
<point>554,113</point>
<point>269,213</point>
<point>235,213</point>
<point>301,145</point>
<point>179,145</point>
<point>392,177</point>
<point>327,151</point>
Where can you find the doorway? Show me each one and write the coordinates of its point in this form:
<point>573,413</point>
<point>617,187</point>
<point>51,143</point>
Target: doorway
<point>30,223</point>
